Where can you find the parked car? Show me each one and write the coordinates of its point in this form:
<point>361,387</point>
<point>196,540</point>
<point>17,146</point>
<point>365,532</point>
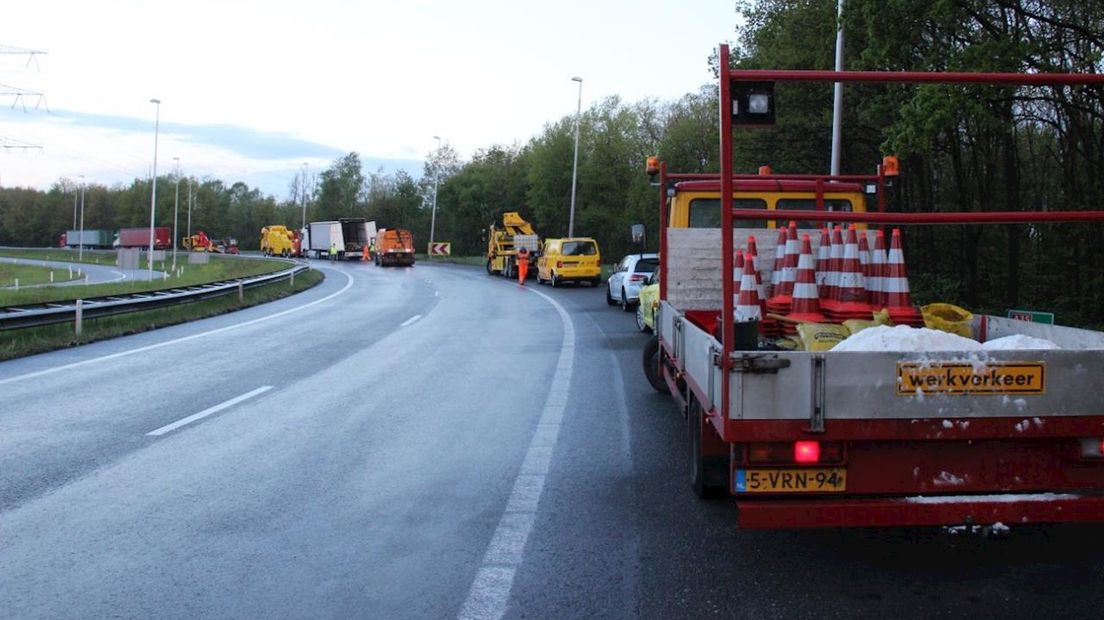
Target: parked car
<point>623,286</point>
<point>649,301</point>
<point>574,259</point>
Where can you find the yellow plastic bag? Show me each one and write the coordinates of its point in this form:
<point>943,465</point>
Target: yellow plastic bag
<point>948,318</point>
<point>821,336</point>
<point>857,325</point>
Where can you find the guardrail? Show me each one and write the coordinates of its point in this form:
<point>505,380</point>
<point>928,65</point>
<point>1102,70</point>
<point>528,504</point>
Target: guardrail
<point>38,315</point>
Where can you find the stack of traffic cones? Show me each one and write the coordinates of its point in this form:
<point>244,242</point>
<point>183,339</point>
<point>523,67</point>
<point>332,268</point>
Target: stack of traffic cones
<point>806,301</point>
<point>896,286</point>
<point>849,298</point>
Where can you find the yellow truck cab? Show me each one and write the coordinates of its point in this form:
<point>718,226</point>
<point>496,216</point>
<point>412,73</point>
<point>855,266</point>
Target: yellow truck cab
<point>572,259</point>
<point>696,204</point>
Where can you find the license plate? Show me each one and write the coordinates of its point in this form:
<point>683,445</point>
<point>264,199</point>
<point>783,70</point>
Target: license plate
<point>832,480</point>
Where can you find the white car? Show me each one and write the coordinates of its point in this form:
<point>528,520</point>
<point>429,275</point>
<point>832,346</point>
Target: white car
<point>623,286</point>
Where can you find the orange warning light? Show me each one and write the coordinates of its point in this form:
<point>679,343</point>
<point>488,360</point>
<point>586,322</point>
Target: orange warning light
<point>890,166</point>
<point>652,165</point>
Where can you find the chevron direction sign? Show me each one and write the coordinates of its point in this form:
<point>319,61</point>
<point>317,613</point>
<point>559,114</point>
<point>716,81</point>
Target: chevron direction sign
<point>440,248</point>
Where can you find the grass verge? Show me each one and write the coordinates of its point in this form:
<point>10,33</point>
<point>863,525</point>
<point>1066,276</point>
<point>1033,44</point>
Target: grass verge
<point>220,268</point>
<point>23,342</point>
<point>30,275</point>
<point>95,257</point>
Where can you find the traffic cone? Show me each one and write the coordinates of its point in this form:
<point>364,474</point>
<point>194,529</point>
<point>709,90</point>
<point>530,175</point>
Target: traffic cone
<point>878,269</point>
<point>850,295</point>
<point>806,301</point>
<point>747,306</point>
<point>767,326</point>
<point>737,275</point>
<point>831,279</point>
<point>782,297</point>
<point>822,257</point>
<point>898,299</point>
<point>779,260</point>
<point>864,252</point>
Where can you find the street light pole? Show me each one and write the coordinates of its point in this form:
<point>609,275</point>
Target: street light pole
<point>176,205</point>
<point>575,162</point>
<point>189,207</point>
<point>436,182</point>
<point>303,193</point>
<point>80,252</point>
<point>153,191</point>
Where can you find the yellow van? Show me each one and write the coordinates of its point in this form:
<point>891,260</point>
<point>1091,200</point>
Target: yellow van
<point>574,259</point>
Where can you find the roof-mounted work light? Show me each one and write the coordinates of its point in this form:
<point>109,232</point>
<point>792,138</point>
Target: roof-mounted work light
<point>752,103</point>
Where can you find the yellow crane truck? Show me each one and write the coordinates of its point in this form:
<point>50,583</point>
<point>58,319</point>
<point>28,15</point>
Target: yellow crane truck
<point>503,244</point>
<point>277,240</point>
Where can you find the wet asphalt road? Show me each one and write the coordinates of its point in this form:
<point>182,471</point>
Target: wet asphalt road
<point>371,476</point>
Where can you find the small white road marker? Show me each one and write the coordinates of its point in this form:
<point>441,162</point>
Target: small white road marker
<point>208,411</point>
<point>410,320</point>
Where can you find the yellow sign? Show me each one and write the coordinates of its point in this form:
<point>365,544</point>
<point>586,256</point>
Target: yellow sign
<point>833,480</point>
<point>922,378</point>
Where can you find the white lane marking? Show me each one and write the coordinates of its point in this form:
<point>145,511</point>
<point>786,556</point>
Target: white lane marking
<point>410,320</point>
<point>490,591</point>
<point>96,360</point>
<point>208,411</point>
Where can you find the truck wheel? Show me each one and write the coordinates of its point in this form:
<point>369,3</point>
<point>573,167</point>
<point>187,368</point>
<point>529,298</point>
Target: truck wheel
<point>555,281</point>
<point>708,475</point>
<point>651,365</point>
<point>490,270</point>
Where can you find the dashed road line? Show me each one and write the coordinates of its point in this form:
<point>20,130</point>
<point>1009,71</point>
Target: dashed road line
<point>168,428</point>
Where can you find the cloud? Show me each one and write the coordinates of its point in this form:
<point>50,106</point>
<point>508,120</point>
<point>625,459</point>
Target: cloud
<point>245,141</point>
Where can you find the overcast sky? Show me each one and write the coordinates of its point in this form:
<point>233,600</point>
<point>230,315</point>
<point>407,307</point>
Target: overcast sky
<point>250,90</point>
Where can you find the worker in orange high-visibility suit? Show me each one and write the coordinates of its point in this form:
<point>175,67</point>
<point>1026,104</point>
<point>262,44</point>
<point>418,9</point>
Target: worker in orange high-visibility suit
<point>523,265</point>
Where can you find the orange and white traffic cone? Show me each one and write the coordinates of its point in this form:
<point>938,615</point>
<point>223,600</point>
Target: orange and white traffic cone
<point>767,326</point>
<point>779,259</point>
<point>782,297</point>
<point>831,279</point>
<point>878,271</point>
<point>737,275</point>
<point>806,301</point>
<point>822,257</point>
<point>898,299</point>
<point>850,295</point>
<point>747,306</point>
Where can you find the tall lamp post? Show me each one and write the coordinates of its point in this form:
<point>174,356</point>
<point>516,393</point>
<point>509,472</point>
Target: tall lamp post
<point>436,181</point>
<point>176,205</point>
<point>575,162</point>
<point>303,191</point>
<point>153,191</point>
<point>80,251</point>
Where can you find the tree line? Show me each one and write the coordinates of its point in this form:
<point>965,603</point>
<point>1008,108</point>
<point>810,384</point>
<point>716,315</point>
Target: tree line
<point>962,148</point>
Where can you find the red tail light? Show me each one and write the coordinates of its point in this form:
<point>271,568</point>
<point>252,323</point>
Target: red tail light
<point>636,277</point>
<point>559,264</point>
<point>806,451</point>
<point>800,452</point>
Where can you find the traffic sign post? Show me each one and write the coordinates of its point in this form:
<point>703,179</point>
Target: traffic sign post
<point>439,248</point>
<point>1032,316</point>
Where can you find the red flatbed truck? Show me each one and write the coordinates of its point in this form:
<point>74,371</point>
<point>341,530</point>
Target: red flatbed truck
<point>831,439</point>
